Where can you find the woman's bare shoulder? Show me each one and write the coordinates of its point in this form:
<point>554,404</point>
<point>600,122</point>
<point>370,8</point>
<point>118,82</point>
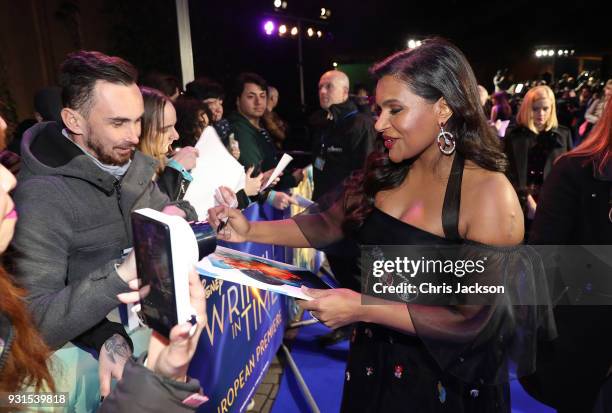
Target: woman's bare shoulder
<point>491,208</point>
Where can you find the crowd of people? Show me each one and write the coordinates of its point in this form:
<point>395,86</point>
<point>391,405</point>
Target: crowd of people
<point>422,160</point>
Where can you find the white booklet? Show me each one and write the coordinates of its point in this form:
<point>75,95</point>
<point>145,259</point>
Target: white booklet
<point>265,274</point>
<point>280,167</point>
<point>215,167</point>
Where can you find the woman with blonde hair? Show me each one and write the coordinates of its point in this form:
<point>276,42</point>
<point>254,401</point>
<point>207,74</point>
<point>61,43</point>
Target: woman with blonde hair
<point>156,139</point>
<point>534,144</point>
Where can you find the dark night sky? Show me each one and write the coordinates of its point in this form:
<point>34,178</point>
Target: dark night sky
<point>228,37</point>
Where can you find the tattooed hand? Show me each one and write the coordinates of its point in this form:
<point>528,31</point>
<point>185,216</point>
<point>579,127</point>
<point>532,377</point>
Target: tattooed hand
<point>113,355</point>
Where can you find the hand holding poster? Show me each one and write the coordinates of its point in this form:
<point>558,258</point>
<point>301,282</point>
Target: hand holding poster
<point>282,164</point>
<point>215,167</point>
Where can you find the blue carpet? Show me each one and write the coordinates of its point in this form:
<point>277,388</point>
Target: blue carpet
<point>322,369</point>
<point>524,403</point>
<point>323,372</point>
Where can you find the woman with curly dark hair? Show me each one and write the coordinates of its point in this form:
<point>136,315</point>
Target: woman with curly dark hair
<point>435,178</point>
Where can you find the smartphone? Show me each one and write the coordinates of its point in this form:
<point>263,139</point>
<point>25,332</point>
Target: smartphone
<point>163,269</point>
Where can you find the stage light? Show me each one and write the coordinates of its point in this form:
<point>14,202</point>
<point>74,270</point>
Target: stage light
<point>310,32</point>
<point>277,3</point>
<point>559,52</point>
<point>282,29</point>
<point>325,13</point>
<point>284,5</point>
<point>294,31</point>
<point>411,44</point>
<point>335,64</point>
<point>319,34</point>
<point>269,27</point>
<point>418,43</point>
<point>538,53</point>
<point>565,52</point>
<point>572,53</point>
<point>551,52</point>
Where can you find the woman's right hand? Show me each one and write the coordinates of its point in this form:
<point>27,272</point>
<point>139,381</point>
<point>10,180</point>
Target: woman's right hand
<point>237,227</point>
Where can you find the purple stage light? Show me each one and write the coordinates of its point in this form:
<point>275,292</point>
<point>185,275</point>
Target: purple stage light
<point>269,27</point>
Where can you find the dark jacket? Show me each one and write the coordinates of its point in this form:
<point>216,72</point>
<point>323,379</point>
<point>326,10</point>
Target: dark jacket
<point>340,145</point>
<point>140,390</point>
<point>518,143</point>
<point>74,225</point>
<point>573,209</point>
<point>574,205</point>
<point>172,183</point>
<point>257,146</point>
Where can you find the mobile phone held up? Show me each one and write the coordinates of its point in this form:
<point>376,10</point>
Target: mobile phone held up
<point>166,251</point>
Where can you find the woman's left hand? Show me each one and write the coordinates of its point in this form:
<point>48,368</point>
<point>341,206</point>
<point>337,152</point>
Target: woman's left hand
<point>335,307</point>
<point>187,157</point>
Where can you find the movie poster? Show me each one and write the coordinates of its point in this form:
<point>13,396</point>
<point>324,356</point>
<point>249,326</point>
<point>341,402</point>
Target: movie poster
<point>262,273</point>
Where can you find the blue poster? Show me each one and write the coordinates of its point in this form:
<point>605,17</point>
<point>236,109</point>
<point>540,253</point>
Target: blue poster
<point>244,330</point>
